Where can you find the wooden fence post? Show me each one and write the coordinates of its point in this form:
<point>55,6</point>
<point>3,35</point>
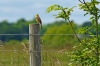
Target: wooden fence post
<point>34,45</point>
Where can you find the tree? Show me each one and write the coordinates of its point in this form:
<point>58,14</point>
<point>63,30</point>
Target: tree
<point>87,23</point>
<point>87,53</point>
<point>58,28</point>
<point>20,27</point>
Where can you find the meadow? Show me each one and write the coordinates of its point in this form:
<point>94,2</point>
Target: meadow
<point>18,55</point>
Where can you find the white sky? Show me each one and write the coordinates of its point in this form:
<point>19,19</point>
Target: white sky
<point>12,10</point>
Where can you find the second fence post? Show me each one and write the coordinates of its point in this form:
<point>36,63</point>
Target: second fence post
<point>34,45</point>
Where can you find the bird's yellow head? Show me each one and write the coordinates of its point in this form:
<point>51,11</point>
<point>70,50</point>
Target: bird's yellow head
<point>37,15</point>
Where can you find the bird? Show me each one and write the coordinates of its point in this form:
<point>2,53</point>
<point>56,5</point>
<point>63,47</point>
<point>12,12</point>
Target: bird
<point>38,20</point>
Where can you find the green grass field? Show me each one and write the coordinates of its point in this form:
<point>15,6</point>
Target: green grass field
<point>13,56</point>
<point>18,55</point>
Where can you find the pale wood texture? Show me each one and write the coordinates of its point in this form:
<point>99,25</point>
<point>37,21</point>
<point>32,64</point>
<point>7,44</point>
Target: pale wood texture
<point>34,45</point>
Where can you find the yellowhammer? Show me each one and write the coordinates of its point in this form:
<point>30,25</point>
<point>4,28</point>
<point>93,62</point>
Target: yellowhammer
<point>38,20</point>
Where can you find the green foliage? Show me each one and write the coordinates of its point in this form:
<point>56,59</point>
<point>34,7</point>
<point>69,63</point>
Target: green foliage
<point>87,23</point>
<point>64,12</point>
<point>59,38</point>
<point>87,53</point>
<point>91,9</point>
<point>20,27</point>
<point>12,42</point>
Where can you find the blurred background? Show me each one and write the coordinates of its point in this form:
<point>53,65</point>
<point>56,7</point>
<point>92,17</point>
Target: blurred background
<point>15,17</point>
<point>13,10</point>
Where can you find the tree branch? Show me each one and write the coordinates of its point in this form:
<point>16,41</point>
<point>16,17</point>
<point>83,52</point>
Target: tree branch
<point>81,1</point>
<point>71,26</point>
<point>86,6</point>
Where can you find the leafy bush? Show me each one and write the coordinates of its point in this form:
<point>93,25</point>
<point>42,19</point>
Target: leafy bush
<point>87,52</point>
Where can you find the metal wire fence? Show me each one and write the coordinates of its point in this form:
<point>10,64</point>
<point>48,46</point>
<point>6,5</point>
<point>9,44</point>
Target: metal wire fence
<point>21,58</point>
<point>18,55</point>
<point>44,34</point>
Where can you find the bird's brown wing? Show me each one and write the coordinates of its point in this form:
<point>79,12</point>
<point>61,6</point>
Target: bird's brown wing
<point>40,20</point>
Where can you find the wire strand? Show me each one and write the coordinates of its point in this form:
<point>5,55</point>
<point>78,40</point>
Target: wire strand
<point>47,34</point>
